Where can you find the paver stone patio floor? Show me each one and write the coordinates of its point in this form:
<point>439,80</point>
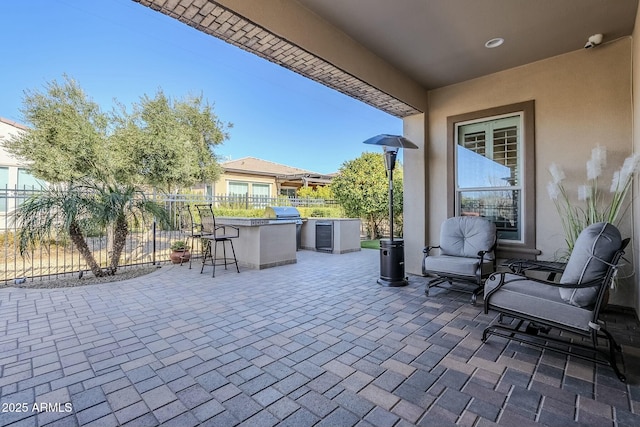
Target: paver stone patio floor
<point>312,343</point>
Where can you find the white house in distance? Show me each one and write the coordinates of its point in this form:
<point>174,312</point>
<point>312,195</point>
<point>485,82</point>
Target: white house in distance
<point>14,174</point>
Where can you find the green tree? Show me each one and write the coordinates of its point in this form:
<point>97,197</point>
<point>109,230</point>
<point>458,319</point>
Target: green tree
<point>84,205</point>
<point>166,143</point>
<point>319,192</point>
<point>161,143</point>
<point>361,187</point>
<point>67,134</point>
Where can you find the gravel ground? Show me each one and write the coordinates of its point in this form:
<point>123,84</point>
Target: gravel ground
<point>87,279</point>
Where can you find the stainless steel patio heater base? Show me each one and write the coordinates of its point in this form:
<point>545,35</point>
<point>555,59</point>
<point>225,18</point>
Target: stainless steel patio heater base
<point>392,263</point>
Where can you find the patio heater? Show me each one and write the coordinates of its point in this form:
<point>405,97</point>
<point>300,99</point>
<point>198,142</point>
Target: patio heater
<point>391,250</point>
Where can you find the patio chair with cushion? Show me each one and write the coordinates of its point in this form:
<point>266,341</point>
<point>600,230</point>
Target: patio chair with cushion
<point>466,257</point>
<point>570,306</point>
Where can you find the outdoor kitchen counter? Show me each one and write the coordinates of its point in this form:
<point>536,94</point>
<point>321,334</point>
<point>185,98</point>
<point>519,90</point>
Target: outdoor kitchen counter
<point>262,242</point>
<point>345,234</point>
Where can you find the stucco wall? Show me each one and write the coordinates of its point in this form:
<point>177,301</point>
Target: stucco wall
<point>6,159</point>
<point>636,147</point>
<point>581,99</point>
<point>416,190</point>
<point>6,132</point>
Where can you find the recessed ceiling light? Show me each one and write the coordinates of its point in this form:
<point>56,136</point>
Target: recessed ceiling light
<point>495,42</point>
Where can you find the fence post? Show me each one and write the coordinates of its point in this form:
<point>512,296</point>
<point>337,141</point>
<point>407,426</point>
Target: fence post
<point>153,252</point>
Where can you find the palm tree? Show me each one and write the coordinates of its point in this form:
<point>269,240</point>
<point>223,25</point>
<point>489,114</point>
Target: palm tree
<point>78,207</point>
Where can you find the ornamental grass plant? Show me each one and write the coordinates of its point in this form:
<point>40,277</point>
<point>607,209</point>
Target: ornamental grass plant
<point>596,203</point>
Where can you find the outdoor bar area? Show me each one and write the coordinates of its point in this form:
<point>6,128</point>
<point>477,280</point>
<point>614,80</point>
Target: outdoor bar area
<point>268,242</point>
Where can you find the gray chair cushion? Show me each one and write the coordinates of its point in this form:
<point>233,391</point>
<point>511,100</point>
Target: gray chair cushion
<point>536,300</point>
<point>592,253</point>
<point>465,236</point>
<point>459,266</point>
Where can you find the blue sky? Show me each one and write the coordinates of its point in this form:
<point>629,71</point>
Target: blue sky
<point>118,49</point>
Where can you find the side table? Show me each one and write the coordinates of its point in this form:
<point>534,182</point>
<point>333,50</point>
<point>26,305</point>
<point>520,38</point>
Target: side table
<point>520,266</point>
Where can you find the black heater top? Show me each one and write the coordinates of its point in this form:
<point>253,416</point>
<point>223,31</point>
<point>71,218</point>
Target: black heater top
<point>386,140</point>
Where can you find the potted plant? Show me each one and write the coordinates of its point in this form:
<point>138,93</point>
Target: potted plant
<point>179,252</point>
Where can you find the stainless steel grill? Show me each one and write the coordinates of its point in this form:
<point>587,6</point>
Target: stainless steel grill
<point>281,213</point>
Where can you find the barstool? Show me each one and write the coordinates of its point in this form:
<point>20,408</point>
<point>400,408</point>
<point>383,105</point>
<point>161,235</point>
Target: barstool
<point>189,228</point>
<point>213,234</point>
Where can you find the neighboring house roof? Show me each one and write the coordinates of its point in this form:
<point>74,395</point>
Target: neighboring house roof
<point>14,124</point>
<point>255,166</point>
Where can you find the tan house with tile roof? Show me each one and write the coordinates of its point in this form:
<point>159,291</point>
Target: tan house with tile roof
<point>258,177</point>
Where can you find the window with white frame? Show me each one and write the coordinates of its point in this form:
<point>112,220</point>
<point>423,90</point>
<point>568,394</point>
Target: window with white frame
<point>26,185</point>
<point>26,181</point>
<point>261,190</point>
<point>261,194</point>
<point>237,192</point>
<point>238,188</point>
<point>488,178</point>
<point>4,186</point>
<point>492,173</point>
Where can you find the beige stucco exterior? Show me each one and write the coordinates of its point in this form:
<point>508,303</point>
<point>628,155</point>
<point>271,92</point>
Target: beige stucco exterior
<point>581,99</point>
<point>635,108</point>
<point>7,130</point>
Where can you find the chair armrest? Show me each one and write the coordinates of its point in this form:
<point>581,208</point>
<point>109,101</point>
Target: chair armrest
<point>427,249</point>
<point>520,277</point>
<point>234,231</point>
<point>481,254</point>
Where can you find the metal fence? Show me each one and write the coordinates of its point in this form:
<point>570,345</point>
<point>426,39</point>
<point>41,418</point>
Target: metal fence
<point>147,243</point>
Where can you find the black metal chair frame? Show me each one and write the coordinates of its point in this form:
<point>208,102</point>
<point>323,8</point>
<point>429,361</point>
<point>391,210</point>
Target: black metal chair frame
<point>476,281</point>
<point>213,234</point>
<point>530,333</point>
<point>190,229</point>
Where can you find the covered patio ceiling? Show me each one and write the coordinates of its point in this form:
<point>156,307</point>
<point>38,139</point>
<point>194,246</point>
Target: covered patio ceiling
<point>433,43</point>
<point>439,43</point>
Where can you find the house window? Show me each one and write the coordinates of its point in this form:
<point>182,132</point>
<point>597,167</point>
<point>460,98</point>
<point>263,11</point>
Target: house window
<point>488,165</point>
<point>492,154</point>
<point>288,192</point>
<point>238,188</point>
<point>27,184</point>
<point>237,192</point>
<point>261,194</point>
<point>261,190</point>
<point>26,181</point>
<point>4,186</point>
